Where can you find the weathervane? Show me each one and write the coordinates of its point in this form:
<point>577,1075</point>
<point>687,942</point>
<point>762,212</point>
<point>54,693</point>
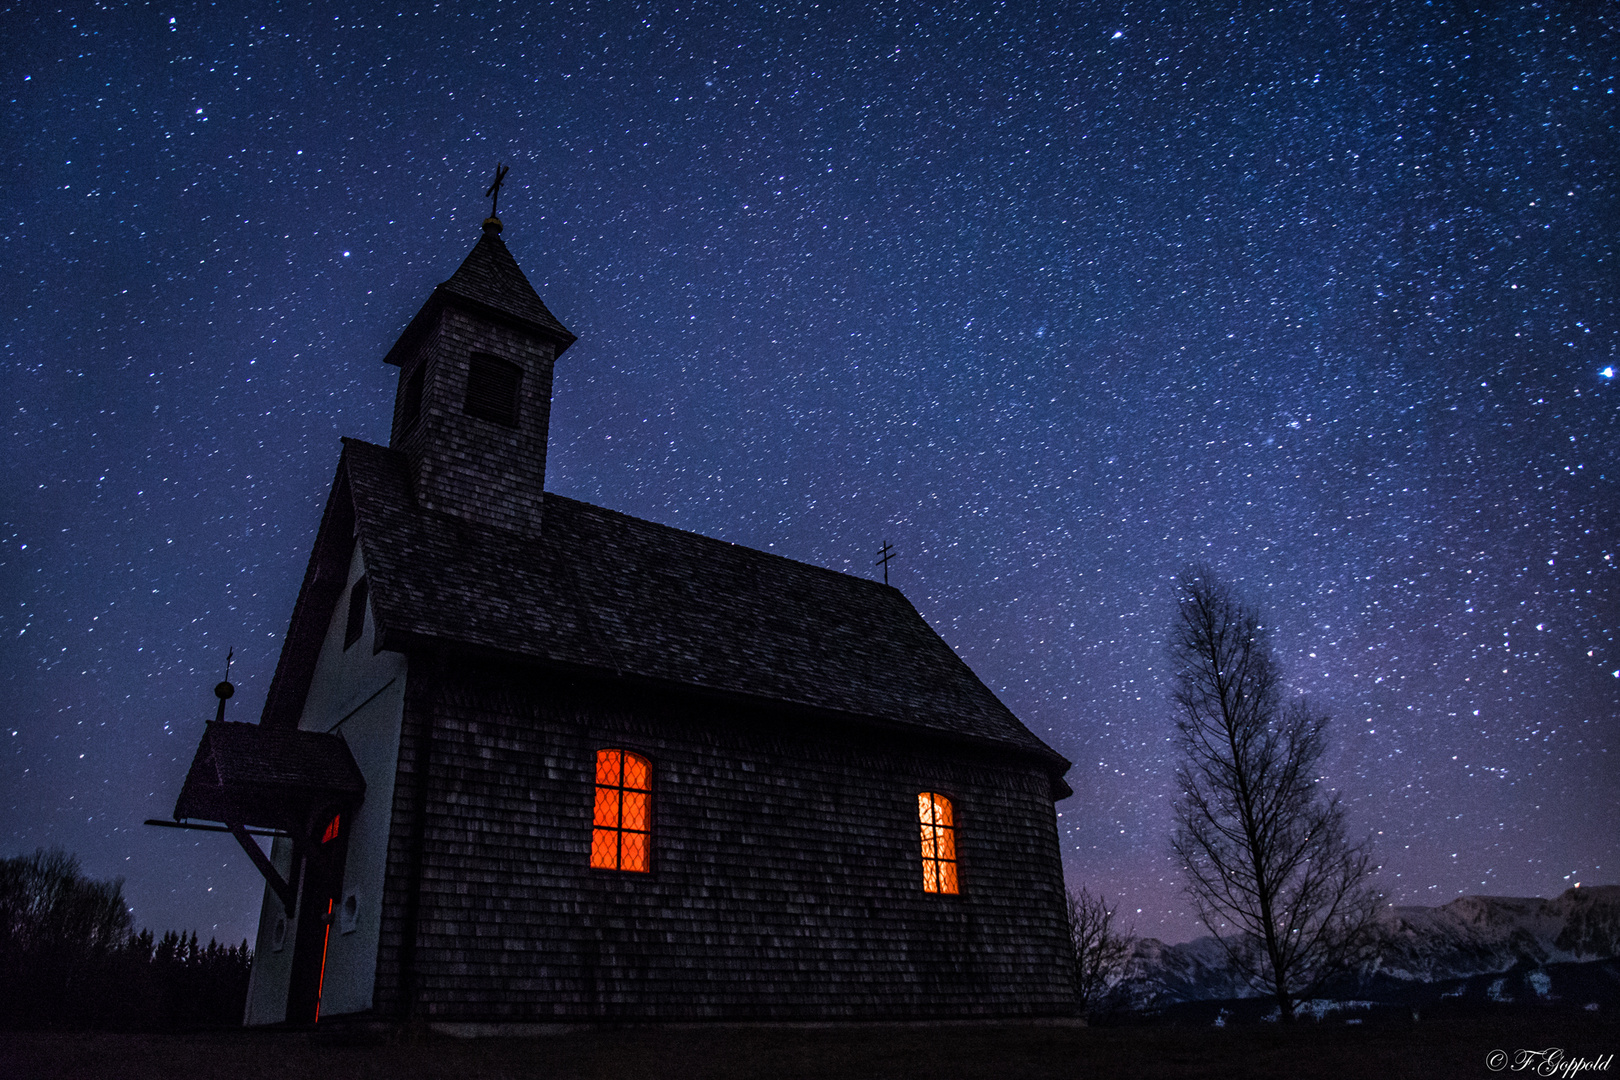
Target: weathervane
<point>494,192</point>
<point>885,553</point>
<point>224,689</point>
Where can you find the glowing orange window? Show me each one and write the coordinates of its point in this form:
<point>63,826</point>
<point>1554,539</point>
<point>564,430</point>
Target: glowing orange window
<point>620,839</point>
<point>938,843</point>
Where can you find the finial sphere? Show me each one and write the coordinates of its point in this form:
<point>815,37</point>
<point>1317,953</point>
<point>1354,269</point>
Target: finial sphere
<point>224,690</point>
<point>492,224</point>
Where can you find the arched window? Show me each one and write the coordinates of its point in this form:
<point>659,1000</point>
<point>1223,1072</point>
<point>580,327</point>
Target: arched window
<point>620,839</point>
<point>938,843</point>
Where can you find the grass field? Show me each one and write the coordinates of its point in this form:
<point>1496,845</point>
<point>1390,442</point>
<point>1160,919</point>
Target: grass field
<point>1448,1048</point>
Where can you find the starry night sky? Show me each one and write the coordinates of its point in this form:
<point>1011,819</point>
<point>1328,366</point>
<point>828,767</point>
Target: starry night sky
<point>1055,299</point>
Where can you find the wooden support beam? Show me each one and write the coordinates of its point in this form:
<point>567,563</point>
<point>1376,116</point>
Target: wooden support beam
<point>287,891</point>
<point>272,833</point>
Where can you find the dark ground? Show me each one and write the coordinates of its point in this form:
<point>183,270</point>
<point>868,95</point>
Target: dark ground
<point>1438,1049</point>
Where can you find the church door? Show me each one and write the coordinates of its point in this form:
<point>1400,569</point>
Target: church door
<point>323,881</point>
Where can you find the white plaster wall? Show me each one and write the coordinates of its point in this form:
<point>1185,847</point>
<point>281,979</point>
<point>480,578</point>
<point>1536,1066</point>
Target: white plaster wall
<point>267,984</point>
<point>360,696</point>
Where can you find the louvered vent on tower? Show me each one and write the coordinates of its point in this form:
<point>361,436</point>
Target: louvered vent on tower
<point>492,389</point>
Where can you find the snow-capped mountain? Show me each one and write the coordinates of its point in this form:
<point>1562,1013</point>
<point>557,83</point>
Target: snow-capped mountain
<point>1476,935</point>
<point>1472,935</point>
<point>1160,974</point>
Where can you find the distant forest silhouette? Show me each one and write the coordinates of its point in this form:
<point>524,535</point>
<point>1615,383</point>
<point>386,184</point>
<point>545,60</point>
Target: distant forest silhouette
<point>70,958</point>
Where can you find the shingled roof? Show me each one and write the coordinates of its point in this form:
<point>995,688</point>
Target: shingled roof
<point>607,591</point>
<point>490,281</point>
<point>249,774</point>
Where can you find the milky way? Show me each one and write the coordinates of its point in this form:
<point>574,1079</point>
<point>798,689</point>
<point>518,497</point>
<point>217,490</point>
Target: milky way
<point>1055,301</point>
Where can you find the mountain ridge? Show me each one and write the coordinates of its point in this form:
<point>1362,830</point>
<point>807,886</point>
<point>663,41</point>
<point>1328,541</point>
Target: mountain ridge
<point>1462,938</point>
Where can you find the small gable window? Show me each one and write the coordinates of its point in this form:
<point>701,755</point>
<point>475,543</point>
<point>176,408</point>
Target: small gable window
<point>620,837</point>
<point>357,614</point>
<point>938,843</point>
<point>492,389</point>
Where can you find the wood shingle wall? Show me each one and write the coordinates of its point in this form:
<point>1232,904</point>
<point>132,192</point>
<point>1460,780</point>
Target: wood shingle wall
<point>786,879</point>
<point>464,465</point>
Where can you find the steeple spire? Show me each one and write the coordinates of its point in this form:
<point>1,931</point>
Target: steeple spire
<point>473,410</point>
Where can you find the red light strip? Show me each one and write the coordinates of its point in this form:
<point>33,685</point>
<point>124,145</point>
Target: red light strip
<point>320,987</point>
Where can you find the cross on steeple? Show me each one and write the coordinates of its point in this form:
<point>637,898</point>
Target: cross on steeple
<point>885,553</point>
<point>494,192</point>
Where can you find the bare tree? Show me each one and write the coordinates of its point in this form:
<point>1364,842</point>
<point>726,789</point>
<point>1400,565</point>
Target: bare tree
<point>47,904</point>
<point>1264,848</point>
<point>1099,949</point>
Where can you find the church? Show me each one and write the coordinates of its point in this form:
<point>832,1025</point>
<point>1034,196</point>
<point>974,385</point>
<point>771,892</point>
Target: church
<point>529,762</point>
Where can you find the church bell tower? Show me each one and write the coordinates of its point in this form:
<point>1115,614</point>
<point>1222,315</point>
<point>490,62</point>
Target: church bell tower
<point>473,408</point>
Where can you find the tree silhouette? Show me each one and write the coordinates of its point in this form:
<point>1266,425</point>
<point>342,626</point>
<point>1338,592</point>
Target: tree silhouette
<point>1264,849</point>
<point>47,904</point>
<point>1099,949</point>
<point>68,958</point>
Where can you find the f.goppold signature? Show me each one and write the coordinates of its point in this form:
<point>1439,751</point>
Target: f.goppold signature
<point>1552,1061</point>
